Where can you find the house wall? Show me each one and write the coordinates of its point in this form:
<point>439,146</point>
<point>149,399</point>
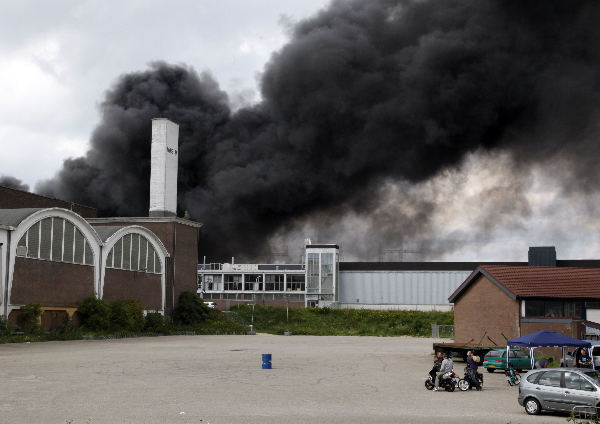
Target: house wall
<point>568,327</point>
<point>485,314</point>
<point>121,284</point>
<point>50,283</point>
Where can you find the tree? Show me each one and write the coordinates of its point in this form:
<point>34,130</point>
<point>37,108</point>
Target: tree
<point>126,315</point>
<point>29,316</point>
<point>190,309</point>
<point>94,314</point>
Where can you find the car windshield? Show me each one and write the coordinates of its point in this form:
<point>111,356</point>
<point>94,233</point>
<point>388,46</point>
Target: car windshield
<point>493,353</point>
<point>593,374</point>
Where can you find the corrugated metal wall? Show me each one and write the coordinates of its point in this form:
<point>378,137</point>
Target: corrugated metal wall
<point>399,287</point>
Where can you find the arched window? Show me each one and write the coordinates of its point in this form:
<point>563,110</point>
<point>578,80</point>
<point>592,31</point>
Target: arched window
<point>55,239</point>
<point>134,252</point>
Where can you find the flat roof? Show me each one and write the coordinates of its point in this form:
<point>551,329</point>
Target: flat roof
<point>453,266</point>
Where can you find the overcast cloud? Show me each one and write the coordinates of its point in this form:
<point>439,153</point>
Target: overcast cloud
<point>58,58</point>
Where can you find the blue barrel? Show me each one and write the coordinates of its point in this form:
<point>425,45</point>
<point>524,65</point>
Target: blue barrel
<point>266,361</point>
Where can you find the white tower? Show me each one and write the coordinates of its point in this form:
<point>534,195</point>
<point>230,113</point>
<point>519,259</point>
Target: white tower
<point>163,168</point>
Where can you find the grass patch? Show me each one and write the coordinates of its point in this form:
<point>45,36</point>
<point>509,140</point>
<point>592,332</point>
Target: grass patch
<point>342,322</point>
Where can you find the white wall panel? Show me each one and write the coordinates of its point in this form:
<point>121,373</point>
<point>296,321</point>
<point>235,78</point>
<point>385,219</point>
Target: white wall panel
<point>399,287</point>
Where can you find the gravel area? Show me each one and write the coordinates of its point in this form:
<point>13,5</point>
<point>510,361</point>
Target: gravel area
<point>219,379</point>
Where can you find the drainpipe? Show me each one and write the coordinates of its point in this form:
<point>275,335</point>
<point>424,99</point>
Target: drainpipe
<point>3,298</point>
<point>7,274</point>
<point>99,293</point>
<point>174,266</point>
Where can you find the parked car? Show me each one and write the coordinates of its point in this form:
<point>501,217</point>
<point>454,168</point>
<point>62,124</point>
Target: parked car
<point>559,389</point>
<point>496,360</point>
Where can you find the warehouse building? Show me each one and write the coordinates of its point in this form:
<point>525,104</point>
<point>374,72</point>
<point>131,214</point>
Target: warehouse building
<point>319,283</point>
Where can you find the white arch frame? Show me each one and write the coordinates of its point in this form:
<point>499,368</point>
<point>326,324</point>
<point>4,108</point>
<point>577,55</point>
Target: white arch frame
<point>79,222</point>
<point>159,248</point>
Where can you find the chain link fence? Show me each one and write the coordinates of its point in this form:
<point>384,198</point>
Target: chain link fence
<point>442,331</point>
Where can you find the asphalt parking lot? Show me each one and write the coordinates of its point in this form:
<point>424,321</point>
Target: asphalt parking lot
<point>219,379</point>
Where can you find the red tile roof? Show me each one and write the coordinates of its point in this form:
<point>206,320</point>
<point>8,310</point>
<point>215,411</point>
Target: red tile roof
<point>546,281</point>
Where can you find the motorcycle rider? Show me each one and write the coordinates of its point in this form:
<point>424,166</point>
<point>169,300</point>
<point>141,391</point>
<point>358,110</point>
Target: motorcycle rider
<point>472,370</point>
<point>446,366</point>
<point>437,362</point>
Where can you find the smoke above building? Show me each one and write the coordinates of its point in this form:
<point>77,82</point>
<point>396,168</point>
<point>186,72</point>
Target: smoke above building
<point>12,182</point>
<point>365,106</point>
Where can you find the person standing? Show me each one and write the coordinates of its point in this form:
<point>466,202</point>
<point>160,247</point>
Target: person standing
<point>446,366</point>
<point>472,370</point>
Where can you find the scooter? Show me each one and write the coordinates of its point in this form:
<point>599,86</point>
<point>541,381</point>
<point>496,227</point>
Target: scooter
<point>447,382</point>
<point>467,382</point>
<point>512,376</point>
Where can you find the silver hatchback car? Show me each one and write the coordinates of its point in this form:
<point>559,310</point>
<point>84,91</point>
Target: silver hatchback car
<point>559,389</point>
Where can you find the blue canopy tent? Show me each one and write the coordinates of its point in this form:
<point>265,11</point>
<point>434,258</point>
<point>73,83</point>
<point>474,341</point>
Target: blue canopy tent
<point>545,338</point>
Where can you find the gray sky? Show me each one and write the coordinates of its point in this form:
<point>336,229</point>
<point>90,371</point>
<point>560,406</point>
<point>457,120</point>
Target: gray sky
<point>57,58</point>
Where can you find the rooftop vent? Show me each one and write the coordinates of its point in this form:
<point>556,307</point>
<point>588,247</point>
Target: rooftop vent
<point>542,256</point>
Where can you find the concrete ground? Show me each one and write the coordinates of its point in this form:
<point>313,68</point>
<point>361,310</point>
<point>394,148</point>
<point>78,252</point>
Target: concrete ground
<point>218,379</point>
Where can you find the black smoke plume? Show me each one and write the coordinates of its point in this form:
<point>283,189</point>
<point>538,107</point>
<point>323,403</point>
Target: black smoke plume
<point>364,94</point>
<point>12,182</point>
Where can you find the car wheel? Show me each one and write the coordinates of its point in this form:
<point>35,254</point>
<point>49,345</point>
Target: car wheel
<point>464,385</point>
<point>490,370</point>
<point>532,406</point>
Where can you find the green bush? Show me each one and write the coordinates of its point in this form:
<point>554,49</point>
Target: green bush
<point>126,315</point>
<point>154,323</point>
<point>29,316</point>
<point>190,309</point>
<point>6,327</point>
<point>94,314</point>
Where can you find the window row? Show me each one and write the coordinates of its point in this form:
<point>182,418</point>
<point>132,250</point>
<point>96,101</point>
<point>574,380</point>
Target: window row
<point>134,252</point>
<point>257,297</point>
<point>252,282</point>
<point>554,308</point>
<point>55,239</point>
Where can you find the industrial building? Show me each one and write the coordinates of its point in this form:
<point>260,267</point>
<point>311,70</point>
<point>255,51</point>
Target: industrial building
<point>56,253</point>
<point>368,285</point>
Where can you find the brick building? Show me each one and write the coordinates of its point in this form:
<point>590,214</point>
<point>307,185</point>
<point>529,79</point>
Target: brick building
<point>56,253</point>
<point>497,303</point>
<point>180,239</point>
<point>55,258</point>
<point>11,198</point>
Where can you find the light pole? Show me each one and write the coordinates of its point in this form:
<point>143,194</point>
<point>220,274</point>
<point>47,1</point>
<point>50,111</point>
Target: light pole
<point>287,315</point>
